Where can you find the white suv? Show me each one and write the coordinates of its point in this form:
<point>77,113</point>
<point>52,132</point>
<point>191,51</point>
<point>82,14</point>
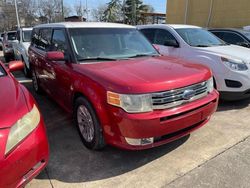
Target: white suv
<point>230,64</point>
<point>21,47</point>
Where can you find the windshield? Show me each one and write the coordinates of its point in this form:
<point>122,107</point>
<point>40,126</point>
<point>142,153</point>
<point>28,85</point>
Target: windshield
<point>2,72</point>
<point>246,34</point>
<point>109,43</point>
<point>11,36</point>
<point>27,36</point>
<point>199,37</point>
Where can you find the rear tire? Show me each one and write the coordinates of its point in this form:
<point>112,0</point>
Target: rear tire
<point>35,82</point>
<point>88,125</point>
<point>7,59</point>
<point>26,71</point>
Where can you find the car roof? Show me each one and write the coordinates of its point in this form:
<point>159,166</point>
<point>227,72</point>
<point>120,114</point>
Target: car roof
<point>84,25</point>
<point>228,29</point>
<point>11,32</point>
<point>26,28</point>
<point>174,26</point>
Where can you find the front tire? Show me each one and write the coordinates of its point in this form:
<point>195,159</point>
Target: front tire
<point>88,124</point>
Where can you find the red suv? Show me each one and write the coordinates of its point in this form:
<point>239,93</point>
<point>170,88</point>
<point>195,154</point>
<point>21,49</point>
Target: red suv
<point>119,89</point>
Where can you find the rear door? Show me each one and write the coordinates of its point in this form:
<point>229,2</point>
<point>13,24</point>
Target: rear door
<point>41,41</point>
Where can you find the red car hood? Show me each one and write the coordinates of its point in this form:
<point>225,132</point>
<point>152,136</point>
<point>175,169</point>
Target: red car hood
<point>142,75</point>
<point>13,105</point>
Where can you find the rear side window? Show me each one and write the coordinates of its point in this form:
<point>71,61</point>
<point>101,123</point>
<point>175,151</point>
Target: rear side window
<point>35,37</point>
<point>150,34</point>
<point>229,37</point>
<point>41,38</point>
<point>11,36</point>
<point>45,39</point>
<point>58,41</point>
<point>2,72</point>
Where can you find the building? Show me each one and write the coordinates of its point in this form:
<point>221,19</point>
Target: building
<point>209,13</point>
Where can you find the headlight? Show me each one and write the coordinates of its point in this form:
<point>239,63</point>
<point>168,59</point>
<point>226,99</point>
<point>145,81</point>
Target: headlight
<point>234,64</point>
<point>22,128</point>
<point>131,103</point>
<point>210,85</point>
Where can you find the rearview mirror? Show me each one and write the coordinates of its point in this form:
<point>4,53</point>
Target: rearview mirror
<point>55,56</point>
<point>16,66</point>
<point>172,43</point>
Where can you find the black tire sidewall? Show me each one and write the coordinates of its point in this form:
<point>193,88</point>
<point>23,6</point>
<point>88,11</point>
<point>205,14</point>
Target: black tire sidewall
<point>38,90</point>
<point>98,140</point>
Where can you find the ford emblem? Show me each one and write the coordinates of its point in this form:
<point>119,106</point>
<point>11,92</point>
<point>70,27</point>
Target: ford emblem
<point>188,94</point>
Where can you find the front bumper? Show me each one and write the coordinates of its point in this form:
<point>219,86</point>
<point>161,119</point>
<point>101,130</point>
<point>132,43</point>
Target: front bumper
<point>26,161</point>
<point>163,125</point>
<point>233,93</point>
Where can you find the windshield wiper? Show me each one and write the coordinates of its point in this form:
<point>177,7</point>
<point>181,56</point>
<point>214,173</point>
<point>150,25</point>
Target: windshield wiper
<point>201,45</point>
<point>223,44</point>
<point>144,55</point>
<point>97,59</point>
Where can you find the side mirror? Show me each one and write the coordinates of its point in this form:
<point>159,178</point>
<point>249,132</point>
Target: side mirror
<point>244,44</point>
<point>172,43</point>
<point>16,66</point>
<point>55,56</point>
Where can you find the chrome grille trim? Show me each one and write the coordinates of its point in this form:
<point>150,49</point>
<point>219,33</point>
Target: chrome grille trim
<point>173,98</point>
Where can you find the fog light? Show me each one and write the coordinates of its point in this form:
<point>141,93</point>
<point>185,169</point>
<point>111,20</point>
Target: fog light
<point>139,142</point>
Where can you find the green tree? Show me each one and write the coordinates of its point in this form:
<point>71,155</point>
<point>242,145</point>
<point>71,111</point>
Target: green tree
<point>113,11</point>
<point>133,10</point>
<point>126,11</point>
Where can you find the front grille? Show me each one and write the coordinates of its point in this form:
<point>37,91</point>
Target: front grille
<point>172,98</point>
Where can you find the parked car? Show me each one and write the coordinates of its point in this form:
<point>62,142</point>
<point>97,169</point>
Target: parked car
<point>23,143</point>
<point>8,40</point>
<point>229,63</point>
<point>247,28</point>
<point>21,48</point>
<point>233,36</point>
<point>120,90</point>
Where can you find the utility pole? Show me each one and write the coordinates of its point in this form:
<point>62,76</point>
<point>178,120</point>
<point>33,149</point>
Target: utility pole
<point>186,12</point>
<point>133,12</point>
<point>123,10</point>
<point>62,10</point>
<point>17,16</point>
<point>87,11</point>
<point>210,13</point>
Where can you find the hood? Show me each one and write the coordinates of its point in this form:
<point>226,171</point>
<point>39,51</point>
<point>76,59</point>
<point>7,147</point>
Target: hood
<point>149,74</point>
<point>230,51</point>
<point>13,104</point>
